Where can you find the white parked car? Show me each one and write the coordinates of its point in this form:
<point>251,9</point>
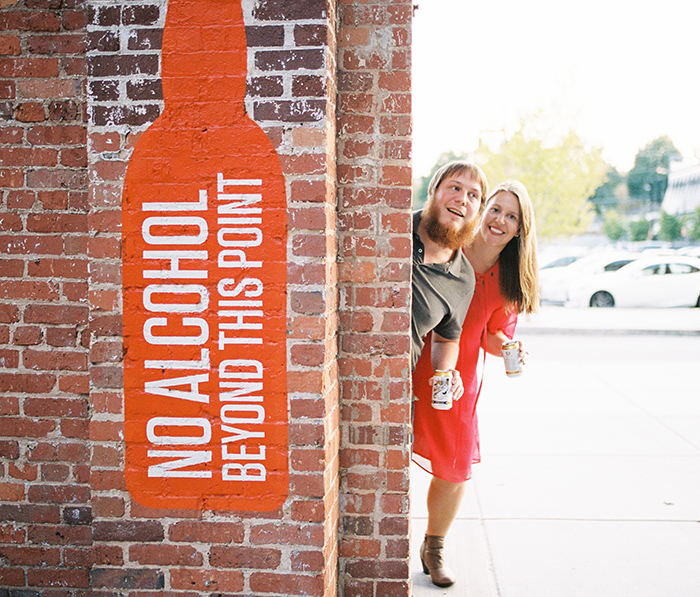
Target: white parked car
<point>554,282</point>
<point>650,281</point>
<point>691,251</point>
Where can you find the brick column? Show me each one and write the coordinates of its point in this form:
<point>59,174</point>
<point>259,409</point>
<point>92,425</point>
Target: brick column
<point>45,534</point>
<point>374,201</point>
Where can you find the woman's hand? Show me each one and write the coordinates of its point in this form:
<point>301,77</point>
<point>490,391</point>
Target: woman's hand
<point>522,353</point>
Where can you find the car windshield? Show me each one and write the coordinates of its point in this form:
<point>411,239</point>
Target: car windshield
<point>616,265</point>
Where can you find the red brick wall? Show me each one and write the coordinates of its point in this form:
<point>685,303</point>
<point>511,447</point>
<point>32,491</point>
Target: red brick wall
<point>374,200</point>
<point>331,88</point>
<point>45,515</point>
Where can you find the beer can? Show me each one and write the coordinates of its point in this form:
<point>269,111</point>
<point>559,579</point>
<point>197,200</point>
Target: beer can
<point>511,358</point>
<point>442,390</point>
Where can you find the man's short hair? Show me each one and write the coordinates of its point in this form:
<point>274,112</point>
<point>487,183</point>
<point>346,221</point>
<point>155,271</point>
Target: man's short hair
<point>459,167</point>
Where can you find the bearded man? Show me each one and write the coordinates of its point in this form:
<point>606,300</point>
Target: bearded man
<point>443,279</point>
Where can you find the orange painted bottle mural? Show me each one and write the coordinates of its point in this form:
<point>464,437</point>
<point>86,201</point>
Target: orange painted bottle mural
<point>204,282</point>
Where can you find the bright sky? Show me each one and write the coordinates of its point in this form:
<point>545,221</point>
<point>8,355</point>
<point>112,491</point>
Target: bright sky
<point>619,72</point>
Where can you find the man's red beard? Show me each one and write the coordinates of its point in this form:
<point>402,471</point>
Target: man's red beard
<point>447,236</point>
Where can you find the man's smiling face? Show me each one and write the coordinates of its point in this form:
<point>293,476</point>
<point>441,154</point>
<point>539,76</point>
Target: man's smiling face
<point>451,212</point>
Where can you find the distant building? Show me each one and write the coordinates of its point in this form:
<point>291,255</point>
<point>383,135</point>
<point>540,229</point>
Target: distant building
<point>683,192</point>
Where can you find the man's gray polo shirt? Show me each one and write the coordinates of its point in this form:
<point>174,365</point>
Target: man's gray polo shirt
<point>441,295</point>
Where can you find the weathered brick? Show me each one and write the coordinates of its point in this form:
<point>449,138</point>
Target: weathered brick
<point>103,41</point>
<point>166,555</point>
<point>265,36</point>
<point>28,67</point>
<point>57,135</point>
<point>272,86</point>
<point>292,584</point>
<point>56,44</point>
<point>117,116</point>
<point>55,407</point>
<point>308,85</point>
<point>207,532</point>
<point>72,20</point>
<point>311,35</point>
<point>10,45</point>
<point>64,111</point>
<point>30,112</point>
<point>36,514</point>
<point>307,110</point>
<point>128,530</point>
<point>27,383</point>
<point>43,21</point>
<point>103,91</point>
<point>122,65</point>
<point>140,15</point>
<point>144,89</point>
<point>105,16</point>
<point>58,494</point>
<point>290,10</point>
<point>206,580</point>
<point>145,39</point>
<point>244,557</point>
<point>55,314</point>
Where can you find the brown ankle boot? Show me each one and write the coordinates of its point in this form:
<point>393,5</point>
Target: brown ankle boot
<point>433,562</point>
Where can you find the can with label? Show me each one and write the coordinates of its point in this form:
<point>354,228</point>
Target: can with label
<point>511,358</point>
<point>442,390</point>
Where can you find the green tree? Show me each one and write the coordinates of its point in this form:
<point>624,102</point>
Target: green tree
<point>649,176</point>
<point>560,174</point>
<point>695,225</point>
<point>420,188</point>
<point>669,227</point>
<point>613,228</point>
<point>639,229</point>
<point>604,196</point>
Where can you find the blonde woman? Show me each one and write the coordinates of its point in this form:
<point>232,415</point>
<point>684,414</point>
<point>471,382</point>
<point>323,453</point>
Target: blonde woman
<point>503,254</point>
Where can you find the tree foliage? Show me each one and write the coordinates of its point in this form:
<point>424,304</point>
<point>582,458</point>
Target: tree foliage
<point>695,225</point>
<point>669,227</point>
<point>639,229</point>
<point>560,175</point>
<point>613,228</point>
<point>605,196</point>
<point>649,176</point>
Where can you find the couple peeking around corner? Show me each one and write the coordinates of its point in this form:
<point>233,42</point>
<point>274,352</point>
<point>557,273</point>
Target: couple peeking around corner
<point>474,271</point>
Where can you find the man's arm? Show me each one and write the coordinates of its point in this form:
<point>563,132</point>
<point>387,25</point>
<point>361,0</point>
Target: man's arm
<point>444,358</point>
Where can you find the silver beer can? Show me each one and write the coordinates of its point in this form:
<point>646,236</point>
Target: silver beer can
<point>442,390</point>
<point>511,357</point>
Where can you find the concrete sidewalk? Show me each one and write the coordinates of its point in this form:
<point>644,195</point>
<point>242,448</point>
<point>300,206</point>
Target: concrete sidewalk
<point>590,480</point>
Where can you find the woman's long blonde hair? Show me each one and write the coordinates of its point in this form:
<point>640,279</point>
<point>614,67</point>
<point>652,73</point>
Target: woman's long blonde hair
<point>518,260</point>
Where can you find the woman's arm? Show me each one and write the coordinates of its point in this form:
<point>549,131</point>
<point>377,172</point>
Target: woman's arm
<point>495,341</point>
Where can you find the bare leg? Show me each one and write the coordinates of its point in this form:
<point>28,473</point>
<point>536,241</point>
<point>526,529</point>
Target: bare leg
<point>444,499</point>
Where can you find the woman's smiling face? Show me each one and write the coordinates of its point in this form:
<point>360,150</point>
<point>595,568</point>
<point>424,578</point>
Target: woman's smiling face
<point>501,219</point>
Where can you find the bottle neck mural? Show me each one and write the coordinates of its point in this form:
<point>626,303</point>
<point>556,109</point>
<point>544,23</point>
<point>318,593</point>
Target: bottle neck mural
<point>204,282</point>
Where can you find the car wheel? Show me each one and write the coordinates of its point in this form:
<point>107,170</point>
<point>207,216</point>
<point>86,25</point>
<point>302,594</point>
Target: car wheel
<point>602,299</point>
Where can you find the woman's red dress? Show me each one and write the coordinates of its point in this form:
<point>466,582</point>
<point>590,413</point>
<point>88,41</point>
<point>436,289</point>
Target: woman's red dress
<point>446,442</point>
